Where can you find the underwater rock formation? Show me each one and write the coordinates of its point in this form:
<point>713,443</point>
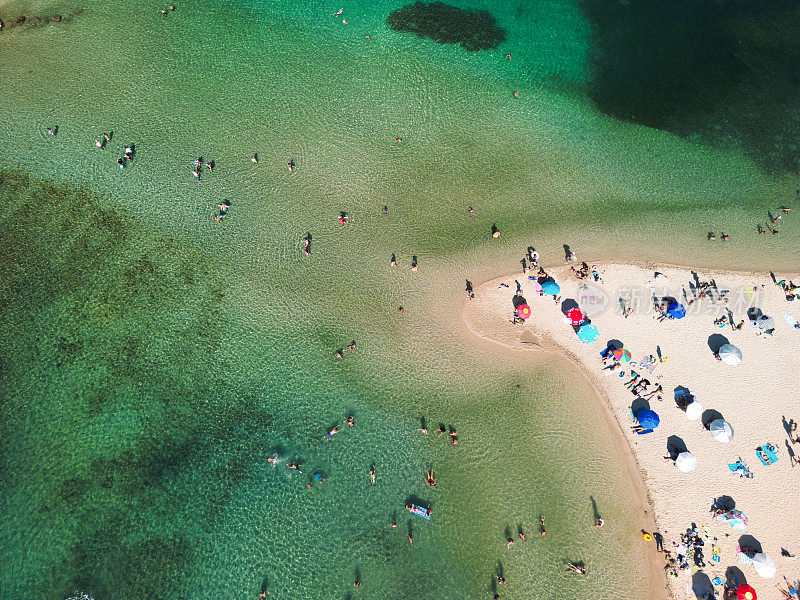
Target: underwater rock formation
<point>472,29</point>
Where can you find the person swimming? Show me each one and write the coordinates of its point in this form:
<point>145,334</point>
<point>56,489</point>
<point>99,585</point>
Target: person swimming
<point>579,569</point>
<point>725,237</point>
<point>712,237</point>
<point>121,162</point>
<point>761,229</point>
<point>351,421</point>
<point>509,542</point>
<point>441,429</point>
<point>332,433</point>
<point>385,210</point>
<point>254,159</point>
<point>338,354</point>
<point>100,143</point>
<point>291,166</point>
<point>772,230</point>
<point>429,479</point>
<point>294,466</point>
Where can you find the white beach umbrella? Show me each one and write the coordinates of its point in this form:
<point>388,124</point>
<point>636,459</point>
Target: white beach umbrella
<point>686,461</point>
<point>694,411</point>
<point>764,565</point>
<point>721,430</point>
<point>730,355</point>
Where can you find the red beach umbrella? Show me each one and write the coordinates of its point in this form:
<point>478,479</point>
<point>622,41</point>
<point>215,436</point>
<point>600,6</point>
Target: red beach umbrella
<point>524,311</point>
<point>745,592</point>
<point>576,316</point>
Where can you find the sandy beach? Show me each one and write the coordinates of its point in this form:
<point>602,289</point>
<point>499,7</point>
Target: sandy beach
<point>757,397</point>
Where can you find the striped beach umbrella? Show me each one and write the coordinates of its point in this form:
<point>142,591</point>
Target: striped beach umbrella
<point>622,355</point>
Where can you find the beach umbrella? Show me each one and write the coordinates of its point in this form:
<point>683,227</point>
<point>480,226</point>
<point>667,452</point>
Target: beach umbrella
<point>587,333</point>
<point>551,287</point>
<point>576,316</point>
<point>765,323</point>
<point>622,355</point>
<point>676,310</point>
<point>686,461</point>
<point>648,418</point>
<point>745,592</point>
<point>721,430</point>
<point>730,355</point>
<point>764,565</point>
<point>524,311</point>
<point>694,411</point>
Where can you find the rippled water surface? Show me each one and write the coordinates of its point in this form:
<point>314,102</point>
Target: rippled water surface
<point>154,359</point>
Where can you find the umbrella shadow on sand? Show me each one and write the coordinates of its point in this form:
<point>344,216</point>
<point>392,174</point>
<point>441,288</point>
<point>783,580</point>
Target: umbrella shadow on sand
<point>568,304</point>
<point>717,341</point>
<point>723,503</point>
<point>638,405</point>
<point>749,544</point>
<point>734,577</point>
<point>702,586</point>
<point>709,416</point>
<point>675,446</point>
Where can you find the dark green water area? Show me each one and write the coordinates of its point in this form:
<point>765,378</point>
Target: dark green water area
<point>725,73</point>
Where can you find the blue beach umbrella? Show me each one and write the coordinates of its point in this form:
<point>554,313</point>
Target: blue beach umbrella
<point>587,333</point>
<point>676,310</point>
<point>551,287</point>
<point>648,418</point>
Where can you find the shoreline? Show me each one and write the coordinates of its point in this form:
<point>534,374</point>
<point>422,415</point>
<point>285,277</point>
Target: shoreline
<point>488,316</point>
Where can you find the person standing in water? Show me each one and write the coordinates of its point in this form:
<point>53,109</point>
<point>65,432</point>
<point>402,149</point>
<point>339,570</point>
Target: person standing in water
<point>372,474</point>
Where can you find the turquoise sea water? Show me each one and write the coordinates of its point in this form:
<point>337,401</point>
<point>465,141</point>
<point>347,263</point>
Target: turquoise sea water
<point>153,359</point>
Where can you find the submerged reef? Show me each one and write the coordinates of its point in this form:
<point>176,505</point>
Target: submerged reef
<point>725,74</point>
<point>473,30</point>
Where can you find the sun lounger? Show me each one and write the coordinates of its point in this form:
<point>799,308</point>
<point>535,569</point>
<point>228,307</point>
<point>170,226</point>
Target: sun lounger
<point>791,321</point>
<point>767,454</point>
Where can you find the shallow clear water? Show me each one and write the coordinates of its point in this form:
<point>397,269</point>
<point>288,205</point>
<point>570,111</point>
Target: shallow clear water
<point>153,358</point>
